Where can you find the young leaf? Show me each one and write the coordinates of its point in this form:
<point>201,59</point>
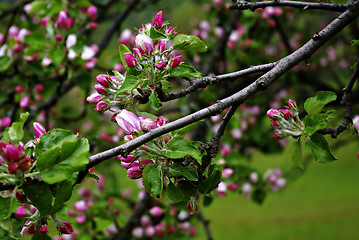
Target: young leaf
<point>39,195</point>
<point>36,41</point>
<point>297,152</point>
<point>183,70</point>
<point>188,42</point>
<point>174,193</point>
<point>155,102</point>
<point>206,186</point>
<point>5,63</point>
<point>53,139</point>
<point>124,49</point>
<point>152,179</point>
<point>315,104</point>
<point>60,163</point>
<point>63,194</point>
<point>6,207</point>
<point>129,84</point>
<point>57,54</point>
<point>180,147</point>
<point>37,6</point>
<point>155,35</point>
<point>15,132</point>
<point>320,148</point>
<point>314,122</point>
<point>178,170</point>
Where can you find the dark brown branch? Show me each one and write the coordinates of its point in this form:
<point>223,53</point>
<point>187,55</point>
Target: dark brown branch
<point>205,223</point>
<point>347,102</point>
<point>206,81</point>
<point>240,5</point>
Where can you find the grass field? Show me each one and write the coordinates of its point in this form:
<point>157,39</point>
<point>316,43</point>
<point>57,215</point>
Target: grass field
<point>322,204</point>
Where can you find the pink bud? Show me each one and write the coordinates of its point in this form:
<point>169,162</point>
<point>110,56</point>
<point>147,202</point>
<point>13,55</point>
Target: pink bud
<point>246,187</point>
<point>253,177</point>
<point>170,29</point>
<point>91,11</point>
<point>69,23</point>
<point>58,37</point>
<point>156,211</point>
<point>13,167</point>
<point>44,21</point>
<point>101,106</point>
<point>24,102</point>
<point>128,165</point>
<point>148,123</point>
<point>273,114</point>
<point>20,212</point>
<point>38,129</point>
<point>80,219</point>
<point>221,189</point>
<point>65,228</point>
<point>128,159</point>
<point>129,59</point>
<point>80,206</point>
<point>161,121</point>
<point>276,135</point>
<point>128,121</point>
<point>161,44</point>
<point>286,113</point>
<point>150,231</point>
<point>192,231</point>
<point>39,87</point>
<point>100,89</point>
<point>93,25</point>
<point>144,43</point>
<point>192,206</point>
<point>104,80</point>
<point>134,172</point>
<point>176,61</point>
<point>225,150</point>
<point>292,104</point>
<point>5,122</point>
<point>17,48</point>
<point>26,163</point>
<point>275,124</point>
<point>61,19</point>
<point>2,38</point>
<point>145,220</point>
<point>13,32</point>
<point>118,67</point>
<point>159,20</point>
<point>227,172</point>
<point>161,65</point>
<point>137,232</point>
<point>94,98</point>
<point>144,163</point>
<point>232,186</point>
<point>280,182</point>
<point>11,153</point>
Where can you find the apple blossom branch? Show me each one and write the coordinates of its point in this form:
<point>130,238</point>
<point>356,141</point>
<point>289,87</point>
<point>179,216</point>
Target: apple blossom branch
<point>262,83</point>
<point>347,102</point>
<point>243,5</point>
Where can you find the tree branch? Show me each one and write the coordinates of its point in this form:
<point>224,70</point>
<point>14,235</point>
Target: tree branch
<point>205,223</point>
<point>240,5</point>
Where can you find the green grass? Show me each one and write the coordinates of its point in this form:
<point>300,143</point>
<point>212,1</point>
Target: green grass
<point>321,204</point>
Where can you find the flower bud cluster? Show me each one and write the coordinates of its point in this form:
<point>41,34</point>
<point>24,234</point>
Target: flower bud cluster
<point>134,126</point>
<point>154,57</point>
<point>286,121</point>
<point>106,96</point>
<point>28,211</point>
<point>13,157</point>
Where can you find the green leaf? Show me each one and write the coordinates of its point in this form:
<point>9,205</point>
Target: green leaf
<point>155,102</point>
<point>82,3</point>
<point>188,188</point>
<point>339,1</point>
<point>174,193</point>
<point>53,139</point>
<point>60,154</point>
<point>15,132</point>
<point>355,42</point>
<point>57,54</point>
<point>152,179</point>
<point>155,34</point>
<point>5,63</point>
<point>207,200</point>
<point>320,148</point>
<point>297,152</point>
<point>124,49</point>
<point>6,207</point>
<point>315,104</point>
<point>184,71</point>
<point>40,236</point>
<point>166,85</point>
<point>59,164</point>
<point>130,83</point>
<point>178,170</point>
<point>36,41</point>
<point>206,186</point>
<point>259,195</point>
<point>180,147</point>
<point>188,42</point>
<point>40,196</point>
<point>37,6</point>
<point>63,194</point>
<point>314,122</point>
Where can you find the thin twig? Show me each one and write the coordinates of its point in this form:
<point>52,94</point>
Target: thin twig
<point>205,223</point>
<point>240,5</point>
